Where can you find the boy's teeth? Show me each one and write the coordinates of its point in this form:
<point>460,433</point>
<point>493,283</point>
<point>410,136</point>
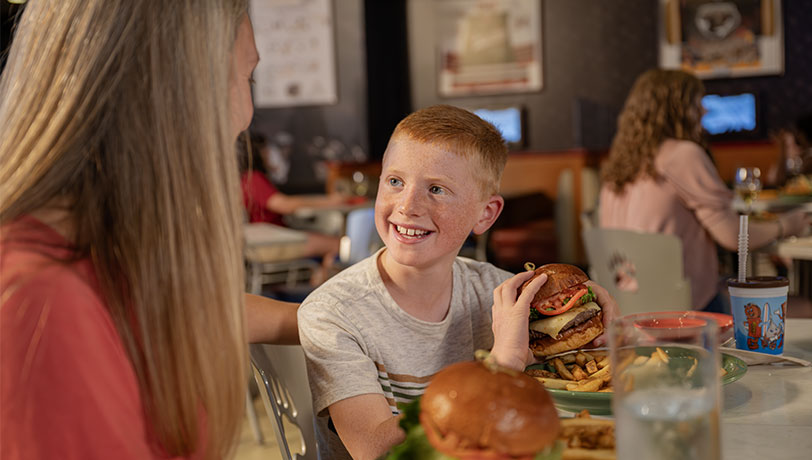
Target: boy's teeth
<point>410,231</point>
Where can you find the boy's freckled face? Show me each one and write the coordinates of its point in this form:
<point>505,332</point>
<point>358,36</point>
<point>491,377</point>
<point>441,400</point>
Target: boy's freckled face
<point>428,202</point>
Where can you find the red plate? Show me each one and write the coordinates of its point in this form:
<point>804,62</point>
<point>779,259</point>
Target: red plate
<point>689,319</point>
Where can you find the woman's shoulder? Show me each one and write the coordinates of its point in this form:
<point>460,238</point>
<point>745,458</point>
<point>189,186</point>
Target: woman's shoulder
<point>676,147</point>
<point>39,272</point>
<point>678,155</point>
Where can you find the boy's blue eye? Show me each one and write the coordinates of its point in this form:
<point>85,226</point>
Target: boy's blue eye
<point>436,189</point>
<point>394,182</point>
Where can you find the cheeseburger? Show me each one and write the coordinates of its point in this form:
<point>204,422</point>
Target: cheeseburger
<point>470,411</point>
<point>563,314</point>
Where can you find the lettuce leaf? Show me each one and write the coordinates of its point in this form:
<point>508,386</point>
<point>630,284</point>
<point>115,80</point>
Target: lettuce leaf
<point>534,315</point>
<point>416,445</point>
<point>552,453</point>
<point>588,297</point>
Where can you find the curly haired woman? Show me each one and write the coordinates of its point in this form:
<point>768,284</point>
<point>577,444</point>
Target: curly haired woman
<point>659,178</point>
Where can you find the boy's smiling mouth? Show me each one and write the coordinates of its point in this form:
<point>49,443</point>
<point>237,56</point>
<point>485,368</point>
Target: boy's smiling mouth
<point>410,232</point>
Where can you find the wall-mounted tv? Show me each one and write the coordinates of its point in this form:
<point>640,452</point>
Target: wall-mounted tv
<point>733,116</point>
<point>509,121</point>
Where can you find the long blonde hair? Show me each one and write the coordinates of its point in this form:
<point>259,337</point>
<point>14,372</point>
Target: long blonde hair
<point>662,104</point>
<point>120,108</point>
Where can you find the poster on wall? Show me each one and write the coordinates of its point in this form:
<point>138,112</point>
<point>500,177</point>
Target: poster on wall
<point>488,46</point>
<point>716,39</point>
<point>295,41</point>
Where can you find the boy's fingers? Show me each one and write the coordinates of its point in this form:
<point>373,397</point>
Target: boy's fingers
<point>530,291</point>
<point>507,290</point>
<point>606,301</point>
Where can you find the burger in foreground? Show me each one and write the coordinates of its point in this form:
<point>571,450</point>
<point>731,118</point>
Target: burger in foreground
<point>563,314</point>
<point>470,411</point>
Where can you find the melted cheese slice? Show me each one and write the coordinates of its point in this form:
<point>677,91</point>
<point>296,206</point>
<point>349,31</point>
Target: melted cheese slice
<point>552,325</point>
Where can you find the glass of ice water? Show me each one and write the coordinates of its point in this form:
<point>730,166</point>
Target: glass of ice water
<point>666,378</point>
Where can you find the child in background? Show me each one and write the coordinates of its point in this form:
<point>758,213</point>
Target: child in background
<point>376,333</point>
<point>262,200</point>
<point>264,203</point>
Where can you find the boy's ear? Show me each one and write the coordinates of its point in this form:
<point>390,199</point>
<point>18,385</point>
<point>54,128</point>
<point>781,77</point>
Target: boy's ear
<point>493,208</point>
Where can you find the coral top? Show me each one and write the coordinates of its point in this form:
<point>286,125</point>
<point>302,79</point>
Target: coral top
<point>691,202</point>
<point>67,388</point>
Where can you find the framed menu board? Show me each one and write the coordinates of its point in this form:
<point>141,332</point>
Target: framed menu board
<point>295,40</point>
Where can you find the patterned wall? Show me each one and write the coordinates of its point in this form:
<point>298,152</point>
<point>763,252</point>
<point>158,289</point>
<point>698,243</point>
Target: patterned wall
<point>593,51</point>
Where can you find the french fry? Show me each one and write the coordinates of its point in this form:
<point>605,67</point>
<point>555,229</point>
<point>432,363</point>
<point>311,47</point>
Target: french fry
<point>692,369</point>
<point>591,384</point>
<point>579,373</point>
<point>627,359</point>
<point>628,384</point>
<point>655,360</point>
<point>562,370</point>
<point>640,360</point>
<point>662,355</point>
<point>603,372</point>
<point>606,390</point>
<point>722,372</point>
<point>556,384</point>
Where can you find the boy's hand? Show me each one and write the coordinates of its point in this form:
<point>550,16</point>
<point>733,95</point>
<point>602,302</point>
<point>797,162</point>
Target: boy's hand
<point>510,321</point>
<point>610,311</point>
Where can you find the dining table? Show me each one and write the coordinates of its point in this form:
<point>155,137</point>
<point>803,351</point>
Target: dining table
<point>272,249</point>
<point>773,203</point>
<point>767,414</point>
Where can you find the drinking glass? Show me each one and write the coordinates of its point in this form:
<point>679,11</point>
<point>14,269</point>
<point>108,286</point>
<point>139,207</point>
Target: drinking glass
<point>665,369</point>
<point>748,185</point>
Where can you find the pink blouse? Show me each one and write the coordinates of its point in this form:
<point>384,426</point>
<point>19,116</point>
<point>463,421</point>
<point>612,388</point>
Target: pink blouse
<point>689,201</point>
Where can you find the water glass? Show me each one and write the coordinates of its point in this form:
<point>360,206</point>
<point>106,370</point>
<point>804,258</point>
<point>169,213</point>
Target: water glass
<point>665,369</point>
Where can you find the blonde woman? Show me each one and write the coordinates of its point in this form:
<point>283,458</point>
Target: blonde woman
<point>659,178</point>
<point>122,331</point>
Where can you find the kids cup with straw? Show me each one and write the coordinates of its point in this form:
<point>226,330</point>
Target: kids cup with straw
<point>759,304</point>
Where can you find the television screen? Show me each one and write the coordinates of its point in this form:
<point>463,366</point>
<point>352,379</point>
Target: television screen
<point>508,121</point>
<point>729,114</point>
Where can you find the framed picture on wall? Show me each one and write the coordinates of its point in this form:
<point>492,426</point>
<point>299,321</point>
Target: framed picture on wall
<point>488,46</point>
<point>720,39</point>
<point>297,53</point>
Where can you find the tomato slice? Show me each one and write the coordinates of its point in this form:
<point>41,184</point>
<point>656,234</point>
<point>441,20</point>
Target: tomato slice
<point>561,307</point>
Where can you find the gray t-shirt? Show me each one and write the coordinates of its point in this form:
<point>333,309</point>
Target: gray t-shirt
<point>357,339</point>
